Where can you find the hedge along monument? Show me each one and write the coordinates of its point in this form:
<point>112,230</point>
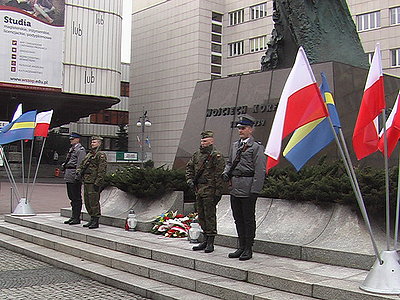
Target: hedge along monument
<point>326,31</point>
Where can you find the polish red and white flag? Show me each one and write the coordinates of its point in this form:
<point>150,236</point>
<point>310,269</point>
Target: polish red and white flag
<point>366,134</point>
<point>392,129</point>
<point>43,120</point>
<point>300,103</point>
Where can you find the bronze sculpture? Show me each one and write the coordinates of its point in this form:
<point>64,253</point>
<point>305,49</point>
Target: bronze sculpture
<point>325,29</point>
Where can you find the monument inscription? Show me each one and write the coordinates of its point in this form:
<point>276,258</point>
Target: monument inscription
<point>241,110</point>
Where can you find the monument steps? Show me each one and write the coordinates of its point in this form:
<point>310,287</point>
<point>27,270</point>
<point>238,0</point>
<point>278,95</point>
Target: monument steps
<point>147,264</point>
<point>107,275</point>
<point>159,271</point>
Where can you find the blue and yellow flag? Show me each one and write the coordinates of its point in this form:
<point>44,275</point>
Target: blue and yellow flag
<point>311,138</point>
<point>20,129</point>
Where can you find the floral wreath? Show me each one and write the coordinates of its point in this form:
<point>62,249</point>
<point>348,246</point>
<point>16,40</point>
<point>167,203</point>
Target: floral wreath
<point>172,224</point>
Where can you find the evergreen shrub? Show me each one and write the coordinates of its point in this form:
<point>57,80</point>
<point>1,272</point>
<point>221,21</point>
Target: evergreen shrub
<point>328,182</point>
<point>149,182</point>
<point>323,182</point>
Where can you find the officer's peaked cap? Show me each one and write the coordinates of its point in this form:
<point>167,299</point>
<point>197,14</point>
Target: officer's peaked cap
<point>74,135</point>
<point>246,120</point>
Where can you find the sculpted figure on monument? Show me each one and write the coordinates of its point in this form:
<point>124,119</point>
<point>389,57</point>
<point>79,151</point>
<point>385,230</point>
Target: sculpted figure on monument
<point>325,29</point>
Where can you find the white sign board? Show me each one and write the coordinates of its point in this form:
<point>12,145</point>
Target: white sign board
<point>30,52</point>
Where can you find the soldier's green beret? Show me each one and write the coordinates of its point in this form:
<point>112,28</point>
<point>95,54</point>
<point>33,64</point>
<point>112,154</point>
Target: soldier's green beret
<point>96,137</point>
<point>207,134</point>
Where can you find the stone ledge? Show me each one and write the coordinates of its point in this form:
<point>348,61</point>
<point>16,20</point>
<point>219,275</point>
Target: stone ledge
<point>333,234</point>
<point>116,204</point>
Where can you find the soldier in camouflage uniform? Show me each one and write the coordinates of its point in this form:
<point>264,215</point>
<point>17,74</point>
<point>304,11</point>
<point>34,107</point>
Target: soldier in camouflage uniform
<point>203,173</point>
<point>245,170</point>
<point>92,170</point>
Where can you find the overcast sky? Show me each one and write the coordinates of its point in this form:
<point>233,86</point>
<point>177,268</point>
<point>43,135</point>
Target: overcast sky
<point>126,31</point>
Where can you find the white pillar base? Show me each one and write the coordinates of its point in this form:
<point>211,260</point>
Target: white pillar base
<point>384,278</point>
<point>23,208</point>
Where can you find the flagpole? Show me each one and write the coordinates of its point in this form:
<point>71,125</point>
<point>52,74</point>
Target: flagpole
<point>37,167</point>
<point>29,169</point>
<point>12,179</point>
<point>9,173</point>
<point>396,226</point>
<point>22,163</point>
<point>354,183</point>
<point>385,149</point>
<point>42,125</point>
<point>13,191</point>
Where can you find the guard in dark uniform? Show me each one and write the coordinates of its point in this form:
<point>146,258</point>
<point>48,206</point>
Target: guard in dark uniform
<point>245,170</point>
<point>203,174</point>
<point>92,170</point>
<point>75,156</point>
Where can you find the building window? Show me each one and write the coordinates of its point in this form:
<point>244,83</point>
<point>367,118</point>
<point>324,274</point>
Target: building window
<point>215,69</point>
<point>258,11</point>
<point>216,59</point>
<point>124,89</point>
<point>216,48</point>
<point>394,15</point>
<point>236,17</point>
<point>369,21</point>
<point>217,17</point>
<point>110,117</point>
<point>216,38</point>
<point>395,54</point>
<point>258,43</point>
<point>216,28</point>
<point>236,48</point>
<point>370,56</point>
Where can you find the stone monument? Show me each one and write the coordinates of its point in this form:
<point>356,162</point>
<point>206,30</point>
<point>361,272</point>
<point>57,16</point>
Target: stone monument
<point>217,104</point>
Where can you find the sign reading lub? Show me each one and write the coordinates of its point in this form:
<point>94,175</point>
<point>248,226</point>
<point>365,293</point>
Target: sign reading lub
<point>89,78</point>
<point>76,29</point>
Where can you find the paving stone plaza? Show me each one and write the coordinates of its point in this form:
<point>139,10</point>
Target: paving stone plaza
<point>22,278</point>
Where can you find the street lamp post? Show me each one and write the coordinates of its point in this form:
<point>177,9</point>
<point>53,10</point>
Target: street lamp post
<point>143,122</point>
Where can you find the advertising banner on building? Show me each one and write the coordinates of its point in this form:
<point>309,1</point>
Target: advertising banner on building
<point>31,33</point>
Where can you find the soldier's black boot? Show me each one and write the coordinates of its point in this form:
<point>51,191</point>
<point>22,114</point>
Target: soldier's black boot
<point>202,245</point>
<point>76,219</point>
<point>210,244</point>
<point>88,223</point>
<point>95,223</point>
<point>68,221</point>
<point>236,254</point>
<point>239,251</point>
<point>247,253</point>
